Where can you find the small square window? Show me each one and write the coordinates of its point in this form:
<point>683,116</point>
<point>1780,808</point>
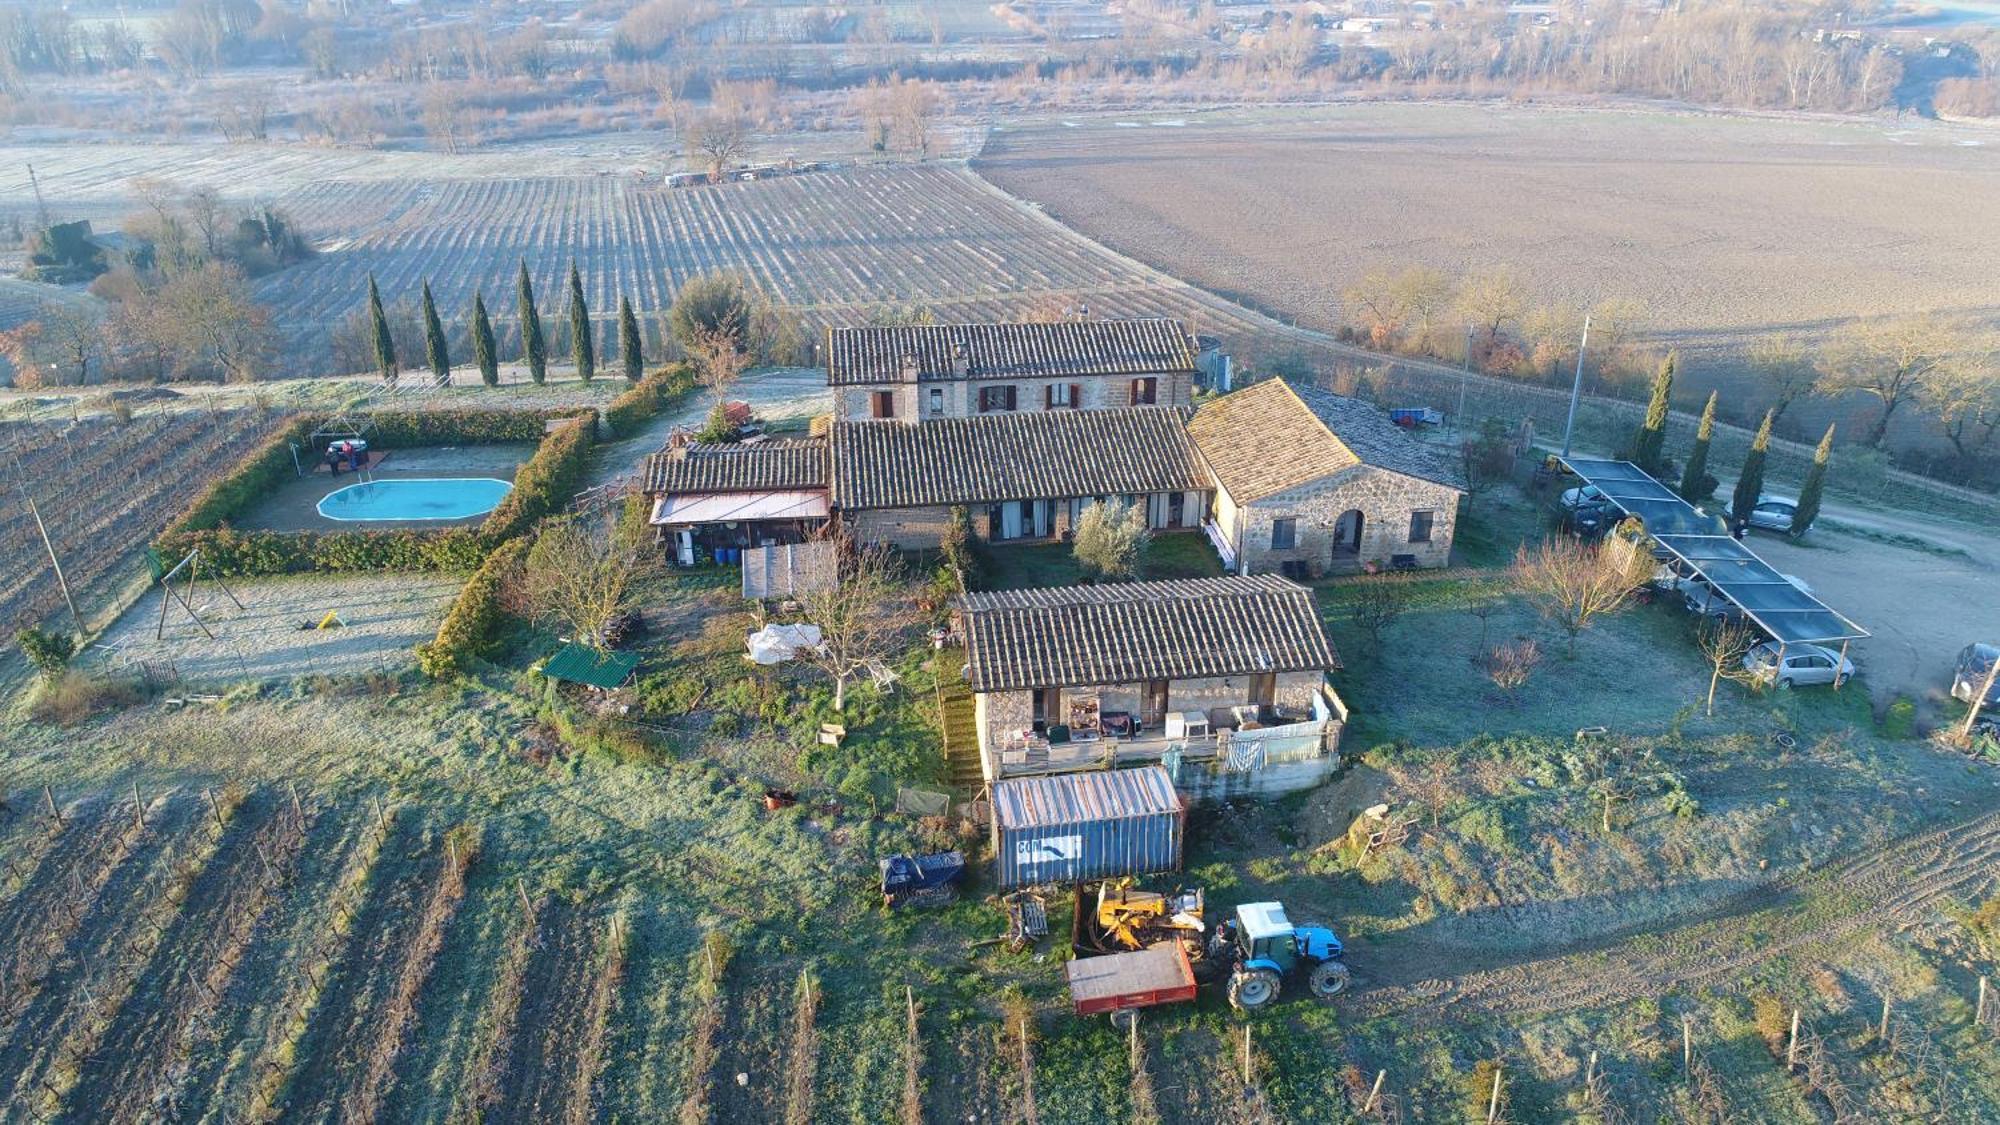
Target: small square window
<point>937,400</point>
<point>1284,533</point>
<point>1145,391</point>
<point>1420,526</point>
<point>884,404</point>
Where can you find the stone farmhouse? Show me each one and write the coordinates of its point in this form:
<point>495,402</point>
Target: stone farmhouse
<point>922,373</point>
<point>1020,476</point>
<point>1309,483</point>
<point>1282,478</point>
<point>1223,680</point>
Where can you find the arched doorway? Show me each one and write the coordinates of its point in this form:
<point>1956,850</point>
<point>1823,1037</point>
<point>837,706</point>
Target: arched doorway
<point>1347,536</point>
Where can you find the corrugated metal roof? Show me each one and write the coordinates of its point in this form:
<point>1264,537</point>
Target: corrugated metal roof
<point>581,664</point>
<point>1127,632</point>
<point>1063,799</point>
<point>1033,455</point>
<point>898,353</point>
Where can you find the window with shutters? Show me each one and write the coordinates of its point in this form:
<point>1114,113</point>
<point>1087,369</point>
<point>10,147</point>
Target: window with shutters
<point>1061,396</point>
<point>998,398</point>
<point>1420,526</point>
<point>1284,533</point>
<point>882,404</point>
<point>1145,390</point>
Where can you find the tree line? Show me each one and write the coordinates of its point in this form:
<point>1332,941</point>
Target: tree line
<point>717,322</point>
<point>1915,365</point>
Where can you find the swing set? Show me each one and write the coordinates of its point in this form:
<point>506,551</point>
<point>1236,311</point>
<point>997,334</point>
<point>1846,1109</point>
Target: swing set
<point>171,595</point>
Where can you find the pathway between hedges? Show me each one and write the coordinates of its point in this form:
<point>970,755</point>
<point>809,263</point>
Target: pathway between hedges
<point>775,392</point>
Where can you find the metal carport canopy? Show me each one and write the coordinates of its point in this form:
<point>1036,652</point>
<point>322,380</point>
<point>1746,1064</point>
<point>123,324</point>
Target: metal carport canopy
<point>1775,603</point>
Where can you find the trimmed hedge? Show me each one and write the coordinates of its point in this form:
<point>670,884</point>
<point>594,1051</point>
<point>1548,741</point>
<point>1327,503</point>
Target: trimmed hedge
<point>467,629</point>
<point>543,484</point>
<point>648,397</point>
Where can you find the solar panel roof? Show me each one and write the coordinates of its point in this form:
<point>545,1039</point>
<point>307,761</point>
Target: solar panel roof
<point>1775,603</point>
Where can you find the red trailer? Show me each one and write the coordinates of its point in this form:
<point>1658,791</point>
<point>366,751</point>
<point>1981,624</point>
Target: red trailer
<point>1123,982</point>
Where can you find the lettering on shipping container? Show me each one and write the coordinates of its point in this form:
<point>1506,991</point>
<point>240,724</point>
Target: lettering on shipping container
<point>1048,849</point>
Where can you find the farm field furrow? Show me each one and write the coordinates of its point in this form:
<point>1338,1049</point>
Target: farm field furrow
<point>131,1071</point>
<point>540,1079</point>
<point>832,245</point>
<point>335,1072</point>
<point>259,1002</point>
<point>33,1058</point>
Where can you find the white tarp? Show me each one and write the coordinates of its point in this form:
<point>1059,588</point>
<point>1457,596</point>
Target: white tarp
<point>775,644</point>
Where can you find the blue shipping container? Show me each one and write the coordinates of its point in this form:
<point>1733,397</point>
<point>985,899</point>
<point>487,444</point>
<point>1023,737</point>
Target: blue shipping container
<point>1069,828</point>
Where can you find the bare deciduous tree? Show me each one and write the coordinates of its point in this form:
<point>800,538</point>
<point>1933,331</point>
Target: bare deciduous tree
<point>584,571</point>
<point>1377,604</point>
<point>1574,584</point>
<point>719,359</point>
<point>1724,643</point>
<point>1891,362</point>
<point>1510,666</point>
<point>1784,372</point>
<point>856,617</point>
<point>1491,300</point>
<point>720,140</point>
<point>1965,395</point>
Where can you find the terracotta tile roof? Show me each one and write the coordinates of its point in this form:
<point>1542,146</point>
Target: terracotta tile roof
<point>1032,455</point>
<point>769,466</point>
<point>1272,435</point>
<point>1004,351</point>
<point>1128,632</point>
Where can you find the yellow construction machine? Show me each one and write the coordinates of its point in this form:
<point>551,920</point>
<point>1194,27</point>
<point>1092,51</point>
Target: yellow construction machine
<point>1129,918</point>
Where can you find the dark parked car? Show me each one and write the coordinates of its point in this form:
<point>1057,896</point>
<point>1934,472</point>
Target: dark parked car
<point>1974,664</point>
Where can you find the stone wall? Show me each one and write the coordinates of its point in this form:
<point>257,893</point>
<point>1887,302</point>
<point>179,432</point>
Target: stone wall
<point>960,397</point>
<point>911,529</point>
<point>1386,501</point>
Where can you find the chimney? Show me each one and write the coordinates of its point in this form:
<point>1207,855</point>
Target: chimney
<point>961,360</point>
<point>911,371</point>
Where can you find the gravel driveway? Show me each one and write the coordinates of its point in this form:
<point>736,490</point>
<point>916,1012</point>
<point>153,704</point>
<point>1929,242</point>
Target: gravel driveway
<point>1921,606</point>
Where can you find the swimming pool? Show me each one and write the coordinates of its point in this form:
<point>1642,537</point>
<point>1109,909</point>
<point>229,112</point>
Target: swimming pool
<point>453,498</point>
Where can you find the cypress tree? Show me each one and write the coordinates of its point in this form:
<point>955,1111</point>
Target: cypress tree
<point>582,348</point>
<point>1808,509</point>
<point>533,348</point>
<point>1750,485</point>
<point>483,352</point>
<point>631,351</point>
<point>435,349</point>
<point>1696,484</point>
<point>1650,441</point>
<point>385,344</point>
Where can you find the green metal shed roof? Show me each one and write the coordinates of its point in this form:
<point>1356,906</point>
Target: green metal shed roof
<point>581,664</point>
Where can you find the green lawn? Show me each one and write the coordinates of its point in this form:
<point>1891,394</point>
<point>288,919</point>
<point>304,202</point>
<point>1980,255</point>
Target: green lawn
<point>1178,554</point>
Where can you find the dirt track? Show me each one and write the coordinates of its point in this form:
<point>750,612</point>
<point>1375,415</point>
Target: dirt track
<point>1898,885</point>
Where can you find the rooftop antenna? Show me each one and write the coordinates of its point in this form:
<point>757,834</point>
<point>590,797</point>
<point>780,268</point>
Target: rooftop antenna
<point>1576,388</point>
<point>41,205</point>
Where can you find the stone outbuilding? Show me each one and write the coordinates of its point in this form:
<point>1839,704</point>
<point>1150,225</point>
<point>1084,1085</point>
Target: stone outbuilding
<point>1224,680</point>
<point>926,372</point>
<point>730,498</point>
<point>1308,482</point>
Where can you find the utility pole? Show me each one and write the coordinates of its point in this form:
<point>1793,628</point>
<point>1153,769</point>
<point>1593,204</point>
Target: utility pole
<point>56,564</point>
<point>1576,388</point>
<point>41,205</point>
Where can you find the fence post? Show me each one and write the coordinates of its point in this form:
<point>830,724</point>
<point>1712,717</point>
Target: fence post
<point>1979,1013</point>
<point>213,806</point>
<point>1792,1049</point>
<point>1375,1092</point>
<point>1246,1054</point>
<point>1882,1032</point>
<point>49,796</point>
<point>138,809</point>
<point>1493,1103</point>
<point>1687,1044</point>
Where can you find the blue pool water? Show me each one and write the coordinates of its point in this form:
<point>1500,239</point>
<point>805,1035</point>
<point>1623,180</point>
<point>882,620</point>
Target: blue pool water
<point>450,499</point>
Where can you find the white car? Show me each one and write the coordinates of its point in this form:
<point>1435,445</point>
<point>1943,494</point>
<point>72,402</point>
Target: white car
<point>1774,513</point>
<point>1804,664</point>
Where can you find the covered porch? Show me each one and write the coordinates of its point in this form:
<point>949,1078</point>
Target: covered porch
<point>717,527</point>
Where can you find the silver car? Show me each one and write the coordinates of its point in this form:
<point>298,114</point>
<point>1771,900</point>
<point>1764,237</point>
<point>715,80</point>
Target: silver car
<point>1969,674</point>
<point>1773,513</point>
<point>1804,664</point>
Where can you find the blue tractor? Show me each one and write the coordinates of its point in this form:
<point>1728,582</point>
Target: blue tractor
<point>1260,948</point>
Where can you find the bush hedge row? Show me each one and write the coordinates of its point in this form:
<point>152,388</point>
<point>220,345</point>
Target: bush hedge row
<point>648,397</point>
<point>467,630</point>
<point>541,486</point>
